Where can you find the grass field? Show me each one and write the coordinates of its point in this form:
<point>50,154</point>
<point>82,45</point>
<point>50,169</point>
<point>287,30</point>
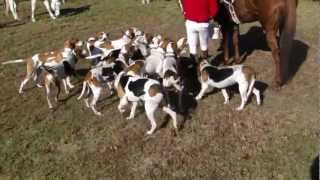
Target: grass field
<point>278,140</point>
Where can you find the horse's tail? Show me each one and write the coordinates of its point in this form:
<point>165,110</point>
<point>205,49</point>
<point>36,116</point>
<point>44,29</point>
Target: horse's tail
<point>287,34</point>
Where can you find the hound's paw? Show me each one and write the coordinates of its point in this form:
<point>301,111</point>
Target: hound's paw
<point>226,102</point>
<point>98,113</point>
<point>149,132</point>
<point>239,108</point>
<point>39,85</point>
<point>130,117</point>
<point>20,92</point>
<point>198,98</point>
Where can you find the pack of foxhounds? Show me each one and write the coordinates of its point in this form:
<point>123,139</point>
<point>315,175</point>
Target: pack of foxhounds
<point>141,68</point>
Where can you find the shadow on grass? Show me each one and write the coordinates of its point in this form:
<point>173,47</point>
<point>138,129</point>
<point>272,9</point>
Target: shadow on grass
<point>13,23</point>
<point>68,11</point>
<point>255,39</point>
<point>82,72</point>
<point>74,11</point>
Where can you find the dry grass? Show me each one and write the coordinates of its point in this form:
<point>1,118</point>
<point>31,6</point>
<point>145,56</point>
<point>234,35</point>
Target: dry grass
<point>278,140</point>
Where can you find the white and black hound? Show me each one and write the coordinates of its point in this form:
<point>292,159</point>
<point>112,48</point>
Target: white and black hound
<point>224,77</point>
<point>132,89</point>
<point>99,77</point>
<point>57,72</point>
<point>102,75</point>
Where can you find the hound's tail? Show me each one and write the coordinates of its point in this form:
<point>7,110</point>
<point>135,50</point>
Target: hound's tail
<point>14,61</point>
<point>182,46</point>
<point>84,87</point>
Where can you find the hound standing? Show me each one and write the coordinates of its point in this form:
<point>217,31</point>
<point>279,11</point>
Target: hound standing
<point>135,89</point>
<point>35,62</point>
<point>225,77</point>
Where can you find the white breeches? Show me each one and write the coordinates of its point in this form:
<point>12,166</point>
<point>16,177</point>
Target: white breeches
<point>197,31</point>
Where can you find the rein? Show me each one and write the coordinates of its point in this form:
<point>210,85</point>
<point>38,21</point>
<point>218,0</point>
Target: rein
<point>232,12</point>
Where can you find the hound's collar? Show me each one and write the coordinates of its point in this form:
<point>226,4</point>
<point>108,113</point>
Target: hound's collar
<point>170,55</point>
<point>204,64</point>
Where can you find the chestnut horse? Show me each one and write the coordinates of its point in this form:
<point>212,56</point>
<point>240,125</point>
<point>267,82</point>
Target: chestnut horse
<point>275,16</point>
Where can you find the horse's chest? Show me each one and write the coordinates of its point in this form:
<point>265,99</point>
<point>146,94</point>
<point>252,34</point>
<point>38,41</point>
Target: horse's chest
<point>246,10</point>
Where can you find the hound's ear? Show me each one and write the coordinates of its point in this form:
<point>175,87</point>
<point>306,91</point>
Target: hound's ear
<point>149,37</point>
<point>164,44</point>
<point>175,48</point>
<point>79,43</point>
<point>71,43</point>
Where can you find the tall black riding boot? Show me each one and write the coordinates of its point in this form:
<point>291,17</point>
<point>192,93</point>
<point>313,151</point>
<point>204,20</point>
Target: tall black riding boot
<point>204,55</point>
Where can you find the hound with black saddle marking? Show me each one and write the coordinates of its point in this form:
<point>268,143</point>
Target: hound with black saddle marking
<point>101,76</point>
<point>224,77</point>
<point>57,72</point>
<point>134,89</point>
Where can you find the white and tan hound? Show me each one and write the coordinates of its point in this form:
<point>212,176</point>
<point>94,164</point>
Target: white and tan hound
<point>225,77</point>
<point>103,74</point>
<point>52,7</point>
<point>36,61</point>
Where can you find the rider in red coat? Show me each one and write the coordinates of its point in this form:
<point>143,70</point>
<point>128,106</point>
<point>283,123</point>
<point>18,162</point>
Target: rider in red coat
<point>198,13</point>
<point>199,10</point>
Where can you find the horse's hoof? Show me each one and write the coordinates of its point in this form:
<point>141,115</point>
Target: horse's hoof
<point>276,86</point>
<point>226,62</point>
<point>237,61</point>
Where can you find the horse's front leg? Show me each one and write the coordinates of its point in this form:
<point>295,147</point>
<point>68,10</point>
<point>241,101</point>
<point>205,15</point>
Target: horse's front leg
<point>225,45</point>
<point>235,39</point>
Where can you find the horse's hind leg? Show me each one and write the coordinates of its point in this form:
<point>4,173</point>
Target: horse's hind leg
<point>273,44</point>
<point>235,39</point>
